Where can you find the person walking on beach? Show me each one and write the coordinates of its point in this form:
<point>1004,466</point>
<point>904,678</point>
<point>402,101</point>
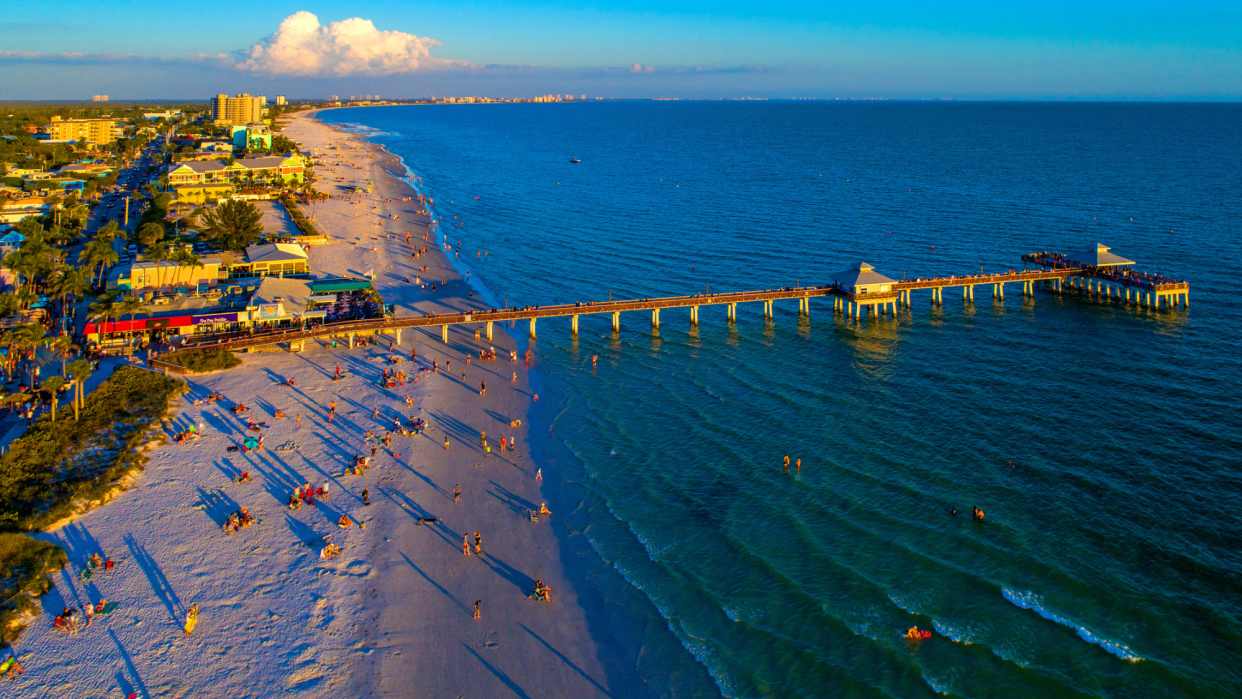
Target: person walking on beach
<point>191,620</point>
<point>457,493</point>
<point>323,490</point>
<point>514,380</point>
<point>482,388</point>
<point>539,473</point>
<point>477,615</point>
<point>366,497</point>
<point>478,543</point>
<point>331,411</point>
<point>299,419</point>
<point>502,442</point>
<point>446,442</point>
<point>465,543</point>
<point>512,443</point>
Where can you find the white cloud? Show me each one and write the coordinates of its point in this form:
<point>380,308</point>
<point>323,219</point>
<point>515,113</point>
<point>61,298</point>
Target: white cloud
<point>302,47</point>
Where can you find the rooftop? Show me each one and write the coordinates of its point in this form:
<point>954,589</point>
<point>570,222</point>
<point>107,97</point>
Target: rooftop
<point>275,252</point>
<point>1099,257</point>
<point>861,274</point>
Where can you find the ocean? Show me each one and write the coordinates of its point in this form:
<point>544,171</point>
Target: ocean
<point>1102,440</point>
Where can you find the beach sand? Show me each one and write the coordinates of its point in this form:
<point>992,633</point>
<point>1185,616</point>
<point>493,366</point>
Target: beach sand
<point>392,615</point>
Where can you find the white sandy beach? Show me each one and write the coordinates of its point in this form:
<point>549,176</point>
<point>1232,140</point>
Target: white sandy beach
<point>392,616</point>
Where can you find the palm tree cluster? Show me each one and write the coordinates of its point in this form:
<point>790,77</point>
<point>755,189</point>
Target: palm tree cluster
<point>234,224</point>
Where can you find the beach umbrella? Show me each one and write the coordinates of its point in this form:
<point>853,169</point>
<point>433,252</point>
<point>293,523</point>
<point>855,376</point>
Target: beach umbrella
<point>251,443</point>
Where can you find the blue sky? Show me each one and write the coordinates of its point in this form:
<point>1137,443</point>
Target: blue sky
<point>1142,49</point>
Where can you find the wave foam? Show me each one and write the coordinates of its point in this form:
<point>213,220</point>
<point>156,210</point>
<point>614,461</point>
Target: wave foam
<point>1033,602</point>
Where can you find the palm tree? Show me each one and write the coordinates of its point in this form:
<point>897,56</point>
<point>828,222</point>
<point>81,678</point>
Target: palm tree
<point>26,337</point>
<point>185,257</point>
<point>8,305</point>
<point>107,232</point>
<point>63,346</point>
<point>105,307</point>
<point>100,254</point>
<point>27,295</point>
<point>53,385</point>
<point>81,370</point>
<point>158,254</point>
<point>15,261</point>
<point>68,281</point>
<point>236,224</point>
<point>131,305</point>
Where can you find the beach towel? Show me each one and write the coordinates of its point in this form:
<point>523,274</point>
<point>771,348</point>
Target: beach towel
<point>108,608</point>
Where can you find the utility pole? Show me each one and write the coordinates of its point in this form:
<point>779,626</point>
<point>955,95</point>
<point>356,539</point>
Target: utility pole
<point>126,211</point>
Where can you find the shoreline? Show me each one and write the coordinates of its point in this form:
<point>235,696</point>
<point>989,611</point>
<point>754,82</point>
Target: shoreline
<point>637,648</point>
<point>620,680</point>
<point>391,615</point>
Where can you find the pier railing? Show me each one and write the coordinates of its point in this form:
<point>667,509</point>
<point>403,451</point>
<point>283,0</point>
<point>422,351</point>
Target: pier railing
<point>1053,270</point>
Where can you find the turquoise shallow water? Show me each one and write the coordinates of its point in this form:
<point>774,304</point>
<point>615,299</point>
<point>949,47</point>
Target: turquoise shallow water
<point>1102,440</point>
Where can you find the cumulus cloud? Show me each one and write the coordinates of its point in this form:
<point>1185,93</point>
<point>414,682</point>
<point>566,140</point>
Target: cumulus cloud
<point>302,47</point>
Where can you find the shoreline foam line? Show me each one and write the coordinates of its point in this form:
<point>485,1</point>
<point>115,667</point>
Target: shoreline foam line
<point>1033,602</point>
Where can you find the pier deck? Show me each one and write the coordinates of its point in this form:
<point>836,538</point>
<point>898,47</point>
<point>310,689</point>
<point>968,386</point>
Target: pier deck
<point>1059,274</point>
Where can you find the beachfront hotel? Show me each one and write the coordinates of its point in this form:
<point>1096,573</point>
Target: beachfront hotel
<point>242,109</point>
<point>192,179</point>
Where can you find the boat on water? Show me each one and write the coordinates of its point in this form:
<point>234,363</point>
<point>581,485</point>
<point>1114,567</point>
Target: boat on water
<point>574,160</point>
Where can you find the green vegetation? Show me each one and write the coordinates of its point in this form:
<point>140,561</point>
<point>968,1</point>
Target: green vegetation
<point>54,467</point>
<point>202,360</point>
<point>299,219</point>
<point>234,224</point>
<point>25,565</point>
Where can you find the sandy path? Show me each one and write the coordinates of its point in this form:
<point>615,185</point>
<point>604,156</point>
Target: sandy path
<point>391,616</point>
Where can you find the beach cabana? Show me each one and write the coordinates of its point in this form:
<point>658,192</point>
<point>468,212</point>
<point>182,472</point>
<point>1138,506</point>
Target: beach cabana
<point>861,278</point>
<point>1099,256</point>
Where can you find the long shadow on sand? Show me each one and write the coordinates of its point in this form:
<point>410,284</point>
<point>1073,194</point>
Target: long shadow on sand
<point>567,661</point>
<point>159,584</point>
<point>415,510</point>
<point>508,681</point>
<point>511,500</point>
<point>445,592</point>
<point>126,688</point>
<point>523,582</point>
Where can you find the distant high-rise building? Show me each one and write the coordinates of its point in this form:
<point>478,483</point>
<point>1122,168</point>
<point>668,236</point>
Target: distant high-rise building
<point>90,130</point>
<point>280,99</point>
<point>353,98</point>
<point>239,110</point>
<point>584,97</point>
<point>334,98</point>
<point>99,98</point>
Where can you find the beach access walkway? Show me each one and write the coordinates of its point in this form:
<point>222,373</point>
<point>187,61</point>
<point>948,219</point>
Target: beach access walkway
<point>1053,270</point>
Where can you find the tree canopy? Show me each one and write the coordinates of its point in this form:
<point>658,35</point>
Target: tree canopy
<point>234,224</point>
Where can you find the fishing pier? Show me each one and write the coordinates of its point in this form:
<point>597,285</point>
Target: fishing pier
<point>856,293</point>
